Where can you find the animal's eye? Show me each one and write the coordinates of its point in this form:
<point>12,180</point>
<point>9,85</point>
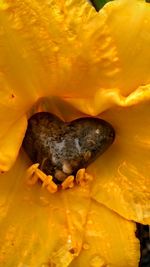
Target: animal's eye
<point>62,148</point>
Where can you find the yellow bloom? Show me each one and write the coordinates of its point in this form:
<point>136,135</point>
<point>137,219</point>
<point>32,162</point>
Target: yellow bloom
<point>72,61</point>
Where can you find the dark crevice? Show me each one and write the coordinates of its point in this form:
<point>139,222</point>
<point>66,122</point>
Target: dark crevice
<point>142,234</point>
<point>98,4</point>
<point>95,5</point>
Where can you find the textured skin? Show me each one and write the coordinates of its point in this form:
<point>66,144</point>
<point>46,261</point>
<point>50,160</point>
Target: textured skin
<point>63,148</point>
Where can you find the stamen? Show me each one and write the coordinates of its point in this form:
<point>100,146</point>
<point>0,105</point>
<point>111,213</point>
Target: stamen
<point>52,187</point>
<point>82,178</point>
<point>68,183</point>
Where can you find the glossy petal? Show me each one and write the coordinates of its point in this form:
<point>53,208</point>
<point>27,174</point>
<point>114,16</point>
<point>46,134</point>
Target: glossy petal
<point>10,144</point>
<point>105,99</point>
<point>83,56</point>
<point>38,227</point>
<point>68,50</point>
<point>129,23</point>
<point>64,49</point>
<point>107,240</point>
<point>131,80</point>
<point>122,173</point>
<point>14,103</point>
<point>41,229</point>
<point>41,55</point>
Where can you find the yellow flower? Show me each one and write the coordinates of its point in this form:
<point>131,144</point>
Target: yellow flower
<point>72,61</point>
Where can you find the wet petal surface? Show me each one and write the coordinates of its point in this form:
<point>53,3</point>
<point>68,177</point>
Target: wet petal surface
<point>106,240</point>
<point>70,51</point>
<point>122,174</point>
<point>38,227</point>
<point>41,229</point>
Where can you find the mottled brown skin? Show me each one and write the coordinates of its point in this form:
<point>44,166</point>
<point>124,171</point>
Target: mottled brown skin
<point>62,148</point>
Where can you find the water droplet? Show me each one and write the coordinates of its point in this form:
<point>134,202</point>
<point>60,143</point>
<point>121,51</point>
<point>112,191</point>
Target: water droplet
<point>69,241</point>
<point>86,246</point>
<point>56,48</point>
<point>97,261</point>
<point>44,201</point>
<point>46,265</point>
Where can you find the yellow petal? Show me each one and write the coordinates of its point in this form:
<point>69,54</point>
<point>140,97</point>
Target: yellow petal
<point>107,240</point>
<point>41,54</point>
<point>10,143</point>
<point>131,79</point>
<point>122,173</point>
<point>60,48</point>
<point>67,49</point>
<point>38,227</point>
<point>105,99</point>
<point>129,23</point>
<point>41,229</point>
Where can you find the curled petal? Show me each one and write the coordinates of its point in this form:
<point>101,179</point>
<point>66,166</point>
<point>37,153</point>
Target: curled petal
<point>10,144</point>
<point>69,50</point>
<point>129,23</point>
<point>122,173</point>
<point>105,99</point>
<point>107,239</point>
<point>130,59</point>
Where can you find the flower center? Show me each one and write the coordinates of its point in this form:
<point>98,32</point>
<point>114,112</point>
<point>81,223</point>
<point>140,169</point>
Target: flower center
<point>61,148</point>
